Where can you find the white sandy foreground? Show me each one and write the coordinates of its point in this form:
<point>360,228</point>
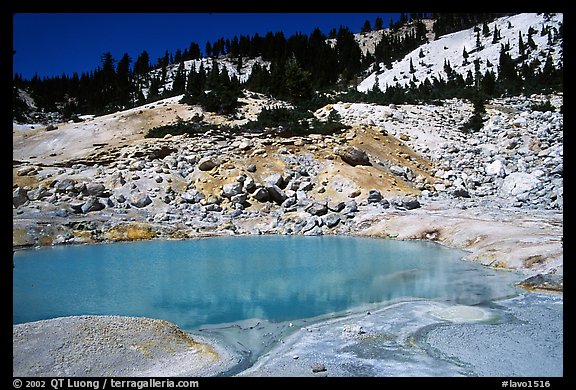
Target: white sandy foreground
<point>112,346</point>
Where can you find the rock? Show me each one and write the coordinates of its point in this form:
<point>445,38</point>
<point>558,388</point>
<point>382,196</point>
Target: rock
<point>24,171</point>
<point>374,196</point>
<point>232,189</point>
<point>244,145</point>
<point>63,213</point>
<point>336,206</point>
<point>261,194</point>
<point>355,193</point>
<point>38,194</point>
<point>92,204</point>
<point>251,168</point>
<point>213,207</point>
<point>398,170</point>
<point>305,186</point>
<point>460,192</point>
<point>495,168</point>
<point>548,282</point>
<point>140,199</point>
<point>350,207</point>
<point>95,189</point>
<point>120,198</point>
<point>137,165</point>
<point>318,367</point>
<point>353,156</point>
<point>558,169</point>
<point>51,127</point>
<point>207,163</point>
<point>116,180</point>
<point>274,179</point>
<point>315,231</point>
<point>317,209</point>
<point>276,194</point>
<point>518,183</point>
<point>289,202</point>
<point>407,203</point>
<point>19,197</point>
<point>192,196</point>
<point>239,198</point>
<point>331,220</point>
<point>249,184</point>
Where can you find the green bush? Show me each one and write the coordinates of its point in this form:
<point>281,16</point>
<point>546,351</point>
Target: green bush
<point>546,106</point>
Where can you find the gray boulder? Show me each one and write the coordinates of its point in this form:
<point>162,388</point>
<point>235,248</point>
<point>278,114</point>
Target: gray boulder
<point>261,194</point>
<point>518,183</point>
<point>398,170</point>
<point>274,179</point>
<point>374,196</point>
<point>92,204</point>
<point>407,203</point>
<point>276,194</point>
<point>140,199</point>
<point>239,198</point>
<point>354,156</point>
<point>95,189</point>
<point>38,194</point>
<point>249,184</point>
<point>336,206</point>
<point>317,209</point>
<point>192,196</point>
<point>207,163</point>
<point>232,189</point>
<point>350,207</point>
<point>19,197</point>
<point>460,192</point>
<point>331,220</point>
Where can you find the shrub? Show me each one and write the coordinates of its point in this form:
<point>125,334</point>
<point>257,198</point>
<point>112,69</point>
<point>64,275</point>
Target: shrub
<point>546,106</point>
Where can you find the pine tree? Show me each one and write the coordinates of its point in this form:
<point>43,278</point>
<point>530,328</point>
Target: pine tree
<point>485,29</point>
<point>349,53</point>
<point>332,34</point>
<point>412,70</point>
<point>478,42</point>
<point>124,82</point>
<point>366,27</point>
<point>378,24</point>
<point>469,78</point>
<point>179,83</point>
<point>476,121</point>
<point>521,48</point>
<point>154,91</point>
<point>142,64</point>
<point>178,56</point>
<point>239,66</point>
<point>496,37</point>
<point>530,41</point>
<point>298,82</point>
<point>194,51</point>
<point>488,83</point>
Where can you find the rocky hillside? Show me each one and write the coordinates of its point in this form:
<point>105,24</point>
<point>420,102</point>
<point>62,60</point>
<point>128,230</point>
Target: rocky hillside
<point>103,180</point>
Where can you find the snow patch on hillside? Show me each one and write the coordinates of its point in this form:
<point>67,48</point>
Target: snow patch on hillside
<point>229,63</point>
<point>451,47</point>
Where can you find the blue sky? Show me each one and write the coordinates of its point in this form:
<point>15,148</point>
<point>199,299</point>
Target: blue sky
<point>50,44</point>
